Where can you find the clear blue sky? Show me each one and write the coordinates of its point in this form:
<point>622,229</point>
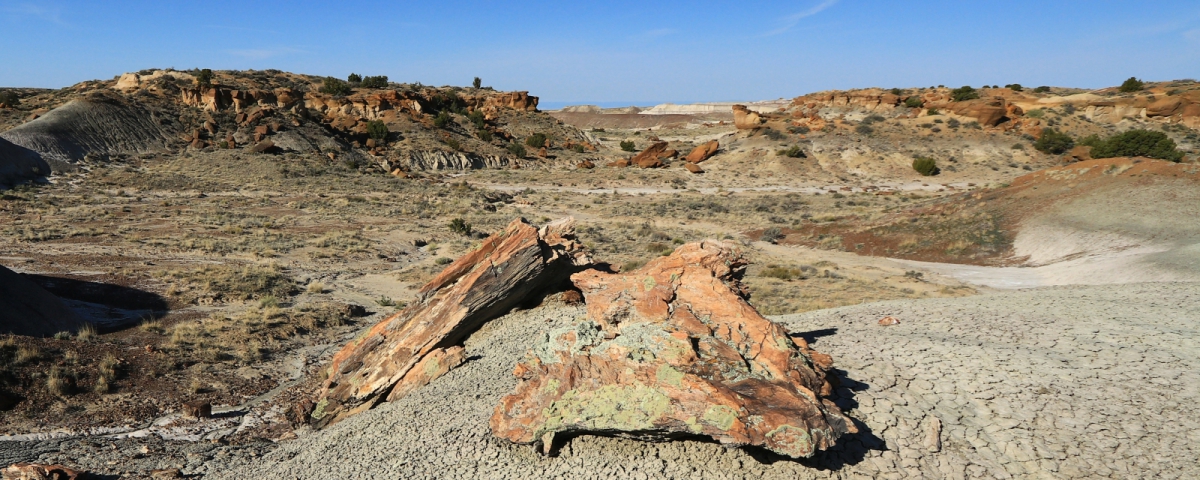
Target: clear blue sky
<point>616,51</point>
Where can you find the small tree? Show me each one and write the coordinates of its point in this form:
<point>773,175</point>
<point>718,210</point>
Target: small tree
<point>628,146</point>
<point>442,120</point>
<point>1132,85</point>
<point>926,166</point>
<point>516,150</point>
<point>1016,87</point>
<point>1053,142</point>
<point>335,87</point>
<point>460,226</point>
<point>354,78</point>
<point>377,130</point>
<point>484,135</point>
<point>1041,89</point>
<point>536,140</point>
<point>378,81</point>
<point>1138,143</point>
<point>914,102</point>
<point>897,91</point>
<point>476,118</point>
<point>477,83</point>
<point>205,77</point>
<point>10,99</point>
<point>964,93</point>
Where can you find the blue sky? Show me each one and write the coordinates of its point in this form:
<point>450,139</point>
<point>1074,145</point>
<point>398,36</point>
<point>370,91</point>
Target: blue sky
<point>615,52</point>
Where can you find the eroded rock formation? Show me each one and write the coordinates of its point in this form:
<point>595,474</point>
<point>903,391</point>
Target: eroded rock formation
<point>744,118</point>
<point>702,152</point>
<point>411,348</point>
<point>674,349</point>
<point>653,156</point>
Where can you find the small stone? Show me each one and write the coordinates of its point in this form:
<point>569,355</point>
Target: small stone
<point>888,321</point>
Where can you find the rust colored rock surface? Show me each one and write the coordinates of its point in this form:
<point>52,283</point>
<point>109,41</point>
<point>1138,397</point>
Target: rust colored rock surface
<point>691,167</point>
<point>744,118</point>
<point>37,471</point>
<point>989,111</point>
<point>586,165</point>
<point>674,349</point>
<point>702,152</point>
<point>652,156</point>
<point>415,346</point>
<point>197,409</point>
<point>1165,107</point>
<point>1079,154</point>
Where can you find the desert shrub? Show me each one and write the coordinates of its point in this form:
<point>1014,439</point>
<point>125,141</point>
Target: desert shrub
<point>453,144</point>
<point>964,93</point>
<point>897,91</point>
<point>1018,146</point>
<point>926,166</point>
<point>1132,85</point>
<point>354,78</point>
<point>628,146</point>
<point>9,98</point>
<point>1053,142</point>
<point>1092,140</point>
<point>377,129</point>
<point>442,120</point>
<point>953,123</point>
<point>864,129</point>
<point>205,77</point>
<point>783,273</point>
<point>802,129</point>
<point>536,140</point>
<point>659,248</point>
<point>476,118</point>
<point>1069,109</point>
<point>577,148</point>
<point>1035,113</point>
<point>771,235</point>
<point>1041,89</point>
<point>933,111</point>
<point>516,150</point>
<point>773,134</point>
<point>484,135</point>
<point>376,81</point>
<point>914,102</point>
<point>449,101</point>
<point>1016,87</point>
<point>794,152</point>
<point>460,226</point>
<point>333,86</point>
<point>873,119</point>
<point>477,83</point>
<point>1138,143</point>
<point>57,383</point>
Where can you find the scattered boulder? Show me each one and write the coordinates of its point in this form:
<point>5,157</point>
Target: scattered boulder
<point>889,321</point>
<point>1078,154</point>
<point>265,146</point>
<point>702,152</point>
<point>653,156</point>
<point>586,164</point>
<point>673,349</point>
<point>622,163</point>
<point>38,471</point>
<point>691,167</point>
<point>420,343</point>
<point>197,409</point>
<point>744,118</point>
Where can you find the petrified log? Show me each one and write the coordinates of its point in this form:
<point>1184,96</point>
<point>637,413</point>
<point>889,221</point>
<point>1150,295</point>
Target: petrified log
<point>37,471</point>
<point>411,348</point>
<point>197,409</point>
<point>673,349</point>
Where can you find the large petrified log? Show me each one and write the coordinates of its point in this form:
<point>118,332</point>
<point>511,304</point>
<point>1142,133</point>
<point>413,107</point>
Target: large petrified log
<point>411,348</point>
<point>670,350</point>
<point>37,471</point>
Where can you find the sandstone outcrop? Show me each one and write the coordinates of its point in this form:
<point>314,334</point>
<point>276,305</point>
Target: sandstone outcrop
<point>1165,107</point>
<point>674,349</point>
<point>702,152</point>
<point>1079,154</point>
<point>989,112</point>
<point>653,156</point>
<point>744,118</point>
<point>418,344</point>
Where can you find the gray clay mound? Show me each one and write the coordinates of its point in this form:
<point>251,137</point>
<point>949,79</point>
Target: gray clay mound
<point>1064,382</point>
<point>18,164</point>
<point>100,124</point>
<point>28,309</point>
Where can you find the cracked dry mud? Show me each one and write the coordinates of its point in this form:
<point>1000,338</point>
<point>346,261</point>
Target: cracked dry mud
<point>1062,382</point>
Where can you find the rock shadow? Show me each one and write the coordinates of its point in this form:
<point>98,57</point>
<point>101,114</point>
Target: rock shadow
<point>111,307</point>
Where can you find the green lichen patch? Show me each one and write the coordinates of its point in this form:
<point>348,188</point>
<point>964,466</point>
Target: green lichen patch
<point>670,376</point>
<point>627,408</point>
<point>319,412</point>
<point>720,416</point>
<point>790,440</point>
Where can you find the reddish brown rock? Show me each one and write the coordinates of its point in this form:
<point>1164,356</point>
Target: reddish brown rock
<point>197,409</point>
<point>1165,107</point>
<point>652,156</point>
<point>744,118</point>
<point>1078,154</point>
<point>989,112</point>
<point>586,164</point>
<point>420,343</point>
<point>691,167</point>
<point>702,152</point>
<point>674,349</point>
<point>889,321</point>
<point>622,163</point>
<point>37,471</point>
<point>266,146</point>
<point>542,153</point>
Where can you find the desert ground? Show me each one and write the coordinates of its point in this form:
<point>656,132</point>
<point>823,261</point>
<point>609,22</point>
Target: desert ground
<point>167,241</point>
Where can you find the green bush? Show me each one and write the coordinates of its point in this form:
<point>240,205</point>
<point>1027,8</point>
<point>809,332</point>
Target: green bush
<point>1035,113</point>
<point>933,111</point>
<point>914,102</point>
<point>477,83</point>
<point>897,91</point>
<point>771,235</point>
<point>577,148</point>
<point>377,129</point>
<point>9,98</point>
<point>335,87</point>
<point>926,166</point>
<point>460,226</point>
<point>1042,89</point>
<point>773,134</point>
<point>1053,142</point>
<point>802,129</point>
<point>1016,87</point>
<point>476,118</point>
<point>794,152</point>
<point>628,146</point>
<point>378,81</point>
<point>537,140</point>
<point>516,150</point>
<point>354,78</point>
<point>205,77</point>
<point>953,123</point>
<point>964,93</point>
<point>1138,143</point>
<point>453,144</point>
<point>484,135</point>
<point>1132,85</point>
<point>442,120</point>
<point>864,129</point>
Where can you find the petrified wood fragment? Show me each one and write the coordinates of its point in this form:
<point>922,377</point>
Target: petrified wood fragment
<point>411,348</point>
<point>673,349</point>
